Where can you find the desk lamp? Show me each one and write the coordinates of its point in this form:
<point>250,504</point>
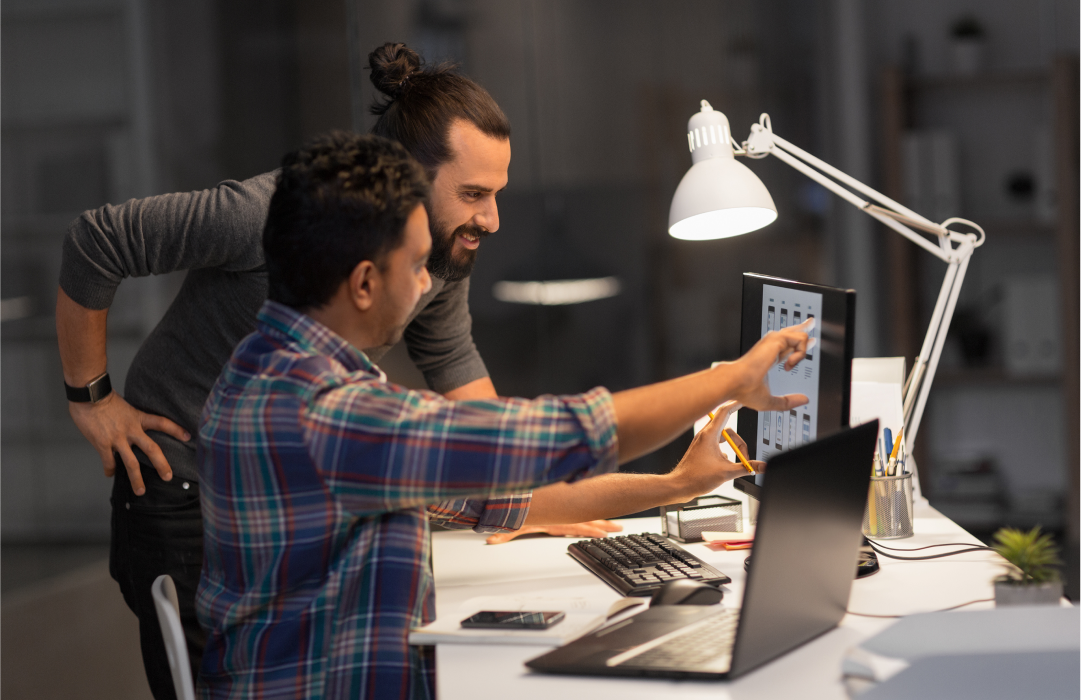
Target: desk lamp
<point>719,197</point>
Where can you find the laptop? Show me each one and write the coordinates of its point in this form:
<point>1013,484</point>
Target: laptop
<point>806,546</point>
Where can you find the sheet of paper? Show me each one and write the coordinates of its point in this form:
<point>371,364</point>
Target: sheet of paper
<point>747,534</point>
<point>879,400</point>
<point>583,616</point>
<point>879,369</point>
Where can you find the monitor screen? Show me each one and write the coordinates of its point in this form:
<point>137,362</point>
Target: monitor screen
<point>824,375</point>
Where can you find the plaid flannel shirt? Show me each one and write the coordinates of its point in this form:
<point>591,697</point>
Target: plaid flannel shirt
<point>318,479</point>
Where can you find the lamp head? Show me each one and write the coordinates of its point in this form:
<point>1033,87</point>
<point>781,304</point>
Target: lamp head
<point>718,197</point>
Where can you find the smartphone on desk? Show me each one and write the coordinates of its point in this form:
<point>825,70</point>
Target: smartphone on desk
<point>507,620</point>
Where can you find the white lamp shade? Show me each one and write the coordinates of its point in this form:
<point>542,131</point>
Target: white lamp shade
<point>718,198</point>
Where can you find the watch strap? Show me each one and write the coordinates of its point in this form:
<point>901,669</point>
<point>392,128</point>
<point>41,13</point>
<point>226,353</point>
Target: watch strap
<point>95,390</point>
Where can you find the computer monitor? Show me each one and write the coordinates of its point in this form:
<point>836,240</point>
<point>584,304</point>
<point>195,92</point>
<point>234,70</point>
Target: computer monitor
<point>824,376</point>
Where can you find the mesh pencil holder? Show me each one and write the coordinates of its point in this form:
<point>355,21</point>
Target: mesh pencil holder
<point>889,507</point>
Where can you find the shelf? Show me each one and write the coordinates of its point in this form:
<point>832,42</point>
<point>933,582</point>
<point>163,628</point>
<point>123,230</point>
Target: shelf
<point>1015,79</point>
<point>991,377</point>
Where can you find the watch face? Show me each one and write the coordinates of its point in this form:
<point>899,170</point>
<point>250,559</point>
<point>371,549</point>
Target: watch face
<point>100,388</point>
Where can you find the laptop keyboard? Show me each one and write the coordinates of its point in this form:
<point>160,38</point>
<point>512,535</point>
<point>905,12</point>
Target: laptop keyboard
<point>706,645</point>
<point>637,565</point>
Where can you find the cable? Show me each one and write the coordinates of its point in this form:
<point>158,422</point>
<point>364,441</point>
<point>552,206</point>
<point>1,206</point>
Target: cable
<point>952,607</point>
<point>916,549</point>
<point>932,556</point>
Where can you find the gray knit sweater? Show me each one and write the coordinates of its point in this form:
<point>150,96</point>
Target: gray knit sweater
<point>216,235</point>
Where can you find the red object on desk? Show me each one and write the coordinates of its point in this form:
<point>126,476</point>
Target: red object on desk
<point>729,545</point>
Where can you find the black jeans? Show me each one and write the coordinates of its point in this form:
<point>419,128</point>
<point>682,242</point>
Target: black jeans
<point>160,532</point>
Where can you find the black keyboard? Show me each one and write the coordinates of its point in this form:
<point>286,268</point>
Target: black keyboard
<point>639,564</point>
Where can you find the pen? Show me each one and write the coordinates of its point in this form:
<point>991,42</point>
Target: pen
<point>888,434</point>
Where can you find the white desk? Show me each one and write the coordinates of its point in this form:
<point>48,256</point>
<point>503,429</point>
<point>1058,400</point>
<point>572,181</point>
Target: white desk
<point>465,567</point>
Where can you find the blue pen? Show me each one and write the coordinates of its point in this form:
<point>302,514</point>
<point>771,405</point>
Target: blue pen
<point>881,456</point>
<point>889,441</point>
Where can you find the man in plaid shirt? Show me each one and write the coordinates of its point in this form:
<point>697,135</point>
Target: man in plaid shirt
<point>319,477</point>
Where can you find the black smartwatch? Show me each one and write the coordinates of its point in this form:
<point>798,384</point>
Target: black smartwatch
<point>95,390</point>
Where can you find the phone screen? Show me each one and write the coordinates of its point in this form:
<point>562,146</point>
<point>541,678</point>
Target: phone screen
<point>513,620</point>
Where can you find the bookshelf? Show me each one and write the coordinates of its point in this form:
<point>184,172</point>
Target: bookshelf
<point>903,106</point>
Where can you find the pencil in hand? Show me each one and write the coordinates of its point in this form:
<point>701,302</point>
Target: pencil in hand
<point>742,459</point>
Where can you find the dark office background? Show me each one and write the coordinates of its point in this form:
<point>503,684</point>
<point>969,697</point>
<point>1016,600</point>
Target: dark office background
<point>103,100</point>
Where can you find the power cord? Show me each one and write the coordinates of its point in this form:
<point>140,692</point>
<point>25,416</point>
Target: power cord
<point>879,549</point>
<point>952,607</point>
<point>969,547</point>
<point>916,549</point>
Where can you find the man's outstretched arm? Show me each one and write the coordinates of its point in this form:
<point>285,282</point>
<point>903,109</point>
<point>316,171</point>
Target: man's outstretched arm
<point>556,520</point>
<point>652,416</point>
<point>702,469</point>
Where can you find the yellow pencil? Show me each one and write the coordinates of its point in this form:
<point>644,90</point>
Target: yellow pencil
<point>897,444</point>
<point>746,464</point>
<point>892,464</point>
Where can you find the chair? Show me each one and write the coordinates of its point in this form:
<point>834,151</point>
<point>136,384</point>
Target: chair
<point>165,602</point>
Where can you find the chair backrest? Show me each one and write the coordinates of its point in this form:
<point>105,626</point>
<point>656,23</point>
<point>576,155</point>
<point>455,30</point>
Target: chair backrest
<point>165,602</point>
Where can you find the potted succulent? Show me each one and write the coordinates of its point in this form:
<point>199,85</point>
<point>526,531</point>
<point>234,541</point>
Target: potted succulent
<point>1031,576</point>
<point>967,42</point>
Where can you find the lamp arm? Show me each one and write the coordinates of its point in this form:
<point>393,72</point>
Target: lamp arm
<point>763,142</point>
<point>945,254</point>
<point>855,184</point>
<point>912,424</point>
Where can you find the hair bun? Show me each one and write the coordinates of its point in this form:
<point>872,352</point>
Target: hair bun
<point>392,64</point>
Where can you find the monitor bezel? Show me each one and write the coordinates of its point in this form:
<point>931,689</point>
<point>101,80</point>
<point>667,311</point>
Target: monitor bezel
<point>836,331</point>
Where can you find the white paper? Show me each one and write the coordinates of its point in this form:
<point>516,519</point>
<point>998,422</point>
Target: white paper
<point>582,616</point>
<point>879,369</point>
<point>879,400</point>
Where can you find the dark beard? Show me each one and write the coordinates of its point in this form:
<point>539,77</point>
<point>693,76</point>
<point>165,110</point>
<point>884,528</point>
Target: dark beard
<point>442,262</point>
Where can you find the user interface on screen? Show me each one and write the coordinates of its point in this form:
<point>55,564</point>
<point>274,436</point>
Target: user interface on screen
<point>782,430</point>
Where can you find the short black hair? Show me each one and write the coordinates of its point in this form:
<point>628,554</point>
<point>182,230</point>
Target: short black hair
<point>422,102</point>
<point>340,200</point>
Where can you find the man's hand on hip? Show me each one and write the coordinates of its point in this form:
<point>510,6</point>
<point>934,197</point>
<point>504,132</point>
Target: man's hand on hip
<point>113,426</point>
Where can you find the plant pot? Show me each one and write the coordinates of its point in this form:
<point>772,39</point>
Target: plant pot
<point>1011,593</point>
